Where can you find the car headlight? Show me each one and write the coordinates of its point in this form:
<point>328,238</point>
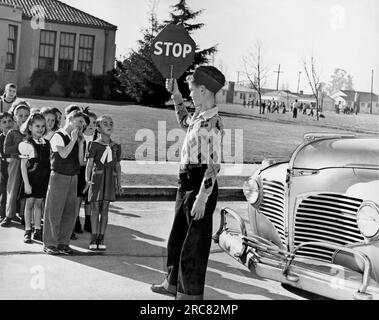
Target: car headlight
<point>252,190</point>
<point>368,219</point>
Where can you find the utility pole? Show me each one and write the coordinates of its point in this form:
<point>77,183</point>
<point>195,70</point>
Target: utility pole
<point>298,83</point>
<point>238,77</point>
<point>372,84</point>
<point>277,80</point>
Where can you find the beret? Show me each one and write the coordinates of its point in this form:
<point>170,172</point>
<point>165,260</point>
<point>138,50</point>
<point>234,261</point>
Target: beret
<point>210,77</point>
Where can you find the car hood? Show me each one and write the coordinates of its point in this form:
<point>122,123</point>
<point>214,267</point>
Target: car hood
<point>332,153</point>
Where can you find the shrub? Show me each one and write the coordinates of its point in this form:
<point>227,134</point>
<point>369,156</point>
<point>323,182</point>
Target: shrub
<point>72,82</point>
<point>41,81</point>
<point>98,83</point>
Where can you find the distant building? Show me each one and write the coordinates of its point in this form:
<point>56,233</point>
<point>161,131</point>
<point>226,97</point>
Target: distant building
<point>236,94</point>
<point>357,99</point>
<point>70,40</point>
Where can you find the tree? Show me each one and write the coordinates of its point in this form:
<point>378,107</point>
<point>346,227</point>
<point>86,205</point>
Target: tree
<point>256,71</point>
<point>340,80</point>
<point>139,77</point>
<point>181,14</point>
<point>315,84</point>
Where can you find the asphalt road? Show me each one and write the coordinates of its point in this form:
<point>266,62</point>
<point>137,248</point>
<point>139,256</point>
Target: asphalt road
<point>136,240</point>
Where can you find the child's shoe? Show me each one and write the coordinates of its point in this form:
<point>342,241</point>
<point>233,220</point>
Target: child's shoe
<point>28,236</point>
<point>37,235</point>
<point>93,245</point>
<point>6,223</point>
<point>100,243</point>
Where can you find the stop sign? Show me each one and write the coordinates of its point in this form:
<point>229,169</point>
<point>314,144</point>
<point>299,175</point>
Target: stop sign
<point>173,51</point>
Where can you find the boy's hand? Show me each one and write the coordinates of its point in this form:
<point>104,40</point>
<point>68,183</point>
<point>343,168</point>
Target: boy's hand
<point>75,134</point>
<point>198,209</point>
<point>88,184</point>
<point>28,189</point>
<point>118,190</point>
<point>172,86</point>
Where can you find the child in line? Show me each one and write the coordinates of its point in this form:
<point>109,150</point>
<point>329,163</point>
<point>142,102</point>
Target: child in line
<point>61,201</point>
<point>88,136</point>
<point>103,174</point>
<point>35,171</point>
<point>58,118</point>
<point>67,111</point>
<point>8,98</point>
<point>6,124</point>
<point>12,140</point>
<point>51,121</point>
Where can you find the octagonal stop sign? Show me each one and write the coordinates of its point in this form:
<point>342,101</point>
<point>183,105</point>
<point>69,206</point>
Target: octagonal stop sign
<point>173,51</point>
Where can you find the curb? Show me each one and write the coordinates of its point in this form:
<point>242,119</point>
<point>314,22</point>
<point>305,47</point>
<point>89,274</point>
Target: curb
<point>164,193</point>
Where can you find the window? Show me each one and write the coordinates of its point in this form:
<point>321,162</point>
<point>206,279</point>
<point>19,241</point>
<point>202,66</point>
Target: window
<point>47,50</point>
<point>66,52</point>
<point>12,46</point>
<point>86,44</point>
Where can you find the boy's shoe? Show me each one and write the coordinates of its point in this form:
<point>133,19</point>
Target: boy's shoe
<point>37,235</point>
<point>93,245</point>
<point>100,245</point>
<point>1,219</point>
<point>6,223</point>
<point>16,219</point>
<point>28,236</point>
<point>51,250</point>
<point>65,249</point>
<point>87,225</point>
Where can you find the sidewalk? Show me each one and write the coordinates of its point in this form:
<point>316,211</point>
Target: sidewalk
<point>136,239</point>
<point>172,168</point>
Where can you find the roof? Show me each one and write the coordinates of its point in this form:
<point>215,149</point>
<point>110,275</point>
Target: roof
<point>362,96</point>
<point>59,12</point>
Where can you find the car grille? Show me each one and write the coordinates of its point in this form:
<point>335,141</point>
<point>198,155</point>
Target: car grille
<point>329,218</point>
<point>272,205</point>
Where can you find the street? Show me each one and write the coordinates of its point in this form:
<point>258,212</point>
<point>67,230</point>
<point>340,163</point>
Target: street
<point>136,240</point>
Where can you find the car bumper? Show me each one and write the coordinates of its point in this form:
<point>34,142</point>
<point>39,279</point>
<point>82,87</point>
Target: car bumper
<point>268,261</point>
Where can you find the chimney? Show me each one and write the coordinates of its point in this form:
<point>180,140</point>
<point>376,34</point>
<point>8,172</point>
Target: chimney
<point>301,92</point>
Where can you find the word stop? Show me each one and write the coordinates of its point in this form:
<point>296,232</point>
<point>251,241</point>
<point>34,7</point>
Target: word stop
<point>172,49</point>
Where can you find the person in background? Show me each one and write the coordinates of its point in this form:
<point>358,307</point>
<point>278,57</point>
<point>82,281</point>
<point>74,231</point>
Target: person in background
<point>8,98</point>
<point>103,179</point>
<point>35,171</point>
<point>61,199</point>
<point>58,118</point>
<point>6,124</point>
<point>294,109</point>
<point>51,122</point>
<point>12,140</point>
<point>88,135</point>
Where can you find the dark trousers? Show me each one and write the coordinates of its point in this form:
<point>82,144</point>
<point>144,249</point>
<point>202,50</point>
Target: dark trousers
<point>3,188</point>
<point>189,244</point>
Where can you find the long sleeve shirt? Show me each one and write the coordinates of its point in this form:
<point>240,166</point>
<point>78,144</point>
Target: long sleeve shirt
<point>12,140</point>
<point>202,144</point>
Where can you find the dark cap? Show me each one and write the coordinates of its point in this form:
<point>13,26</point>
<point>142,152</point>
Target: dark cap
<point>210,77</point>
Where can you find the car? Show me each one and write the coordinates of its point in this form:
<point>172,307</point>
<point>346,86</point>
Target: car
<point>313,218</point>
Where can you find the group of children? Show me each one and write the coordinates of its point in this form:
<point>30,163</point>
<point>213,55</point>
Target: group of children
<point>47,171</point>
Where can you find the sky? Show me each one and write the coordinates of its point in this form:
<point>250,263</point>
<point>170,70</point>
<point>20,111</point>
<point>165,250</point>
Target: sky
<point>338,33</point>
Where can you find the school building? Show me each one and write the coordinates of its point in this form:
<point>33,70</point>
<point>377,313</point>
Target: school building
<point>49,34</point>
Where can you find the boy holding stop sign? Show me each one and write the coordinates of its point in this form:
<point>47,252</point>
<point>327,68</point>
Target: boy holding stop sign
<point>191,234</point>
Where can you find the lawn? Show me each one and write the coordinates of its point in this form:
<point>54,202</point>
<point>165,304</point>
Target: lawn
<point>263,135</point>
